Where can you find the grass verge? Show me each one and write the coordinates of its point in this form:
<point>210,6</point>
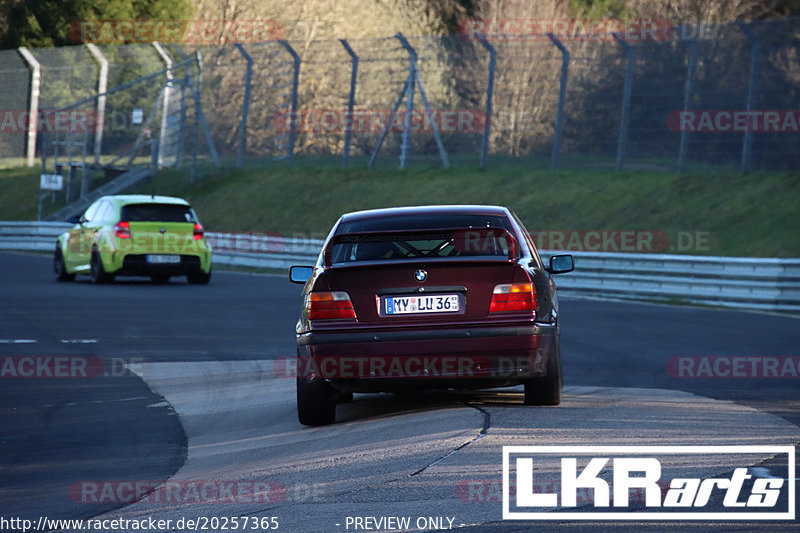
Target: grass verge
<point>713,213</point>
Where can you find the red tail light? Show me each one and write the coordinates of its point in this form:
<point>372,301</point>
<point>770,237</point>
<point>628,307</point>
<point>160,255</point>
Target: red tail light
<point>198,232</point>
<point>513,297</point>
<point>329,306</point>
<point>122,230</point>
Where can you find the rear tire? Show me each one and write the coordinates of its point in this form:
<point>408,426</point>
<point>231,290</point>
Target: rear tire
<point>199,278</point>
<point>546,390</point>
<point>60,268</point>
<point>99,274</point>
<point>316,403</point>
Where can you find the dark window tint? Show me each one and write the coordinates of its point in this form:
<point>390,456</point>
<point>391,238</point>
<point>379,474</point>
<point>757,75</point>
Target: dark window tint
<point>157,213</point>
<point>417,222</point>
<point>475,243</point>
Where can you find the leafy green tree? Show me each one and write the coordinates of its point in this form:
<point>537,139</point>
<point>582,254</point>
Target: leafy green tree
<point>44,23</point>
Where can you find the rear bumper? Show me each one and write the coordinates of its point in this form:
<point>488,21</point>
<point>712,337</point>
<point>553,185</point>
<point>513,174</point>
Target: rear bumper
<point>137,265</point>
<point>386,360</point>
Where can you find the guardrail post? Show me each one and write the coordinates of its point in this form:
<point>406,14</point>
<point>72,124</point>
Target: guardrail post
<point>562,95</point>
<point>348,130</point>
<point>752,89</point>
<point>687,99</point>
<point>102,87</point>
<point>487,127</point>
<point>248,77</point>
<point>33,102</point>
<point>626,101</point>
<point>295,84</point>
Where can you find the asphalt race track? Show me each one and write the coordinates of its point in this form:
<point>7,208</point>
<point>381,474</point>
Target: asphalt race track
<point>192,388</point>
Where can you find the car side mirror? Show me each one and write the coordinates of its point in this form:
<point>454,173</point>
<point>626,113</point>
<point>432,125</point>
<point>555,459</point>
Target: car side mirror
<point>74,219</point>
<point>561,264</point>
<point>300,274</point>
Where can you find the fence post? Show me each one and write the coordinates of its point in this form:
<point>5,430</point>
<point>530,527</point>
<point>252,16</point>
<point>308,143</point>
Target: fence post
<point>416,81</point>
<point>687,98</point>
<point>562,95</point>
<point>102,87</point>
<point>185,87</point>
<point>196,126</point>
<point>626,102</point>
<point>248,77</point>
<point>33,102</point>
<point>43,153</point>
<point>385,131</point>
<point>198,95</point>
<point>752,89</point>
<point>348,130</point>
<point>487,127</point>
<point>166,101</point>
<point>412,76</point>
<point>295,83</point>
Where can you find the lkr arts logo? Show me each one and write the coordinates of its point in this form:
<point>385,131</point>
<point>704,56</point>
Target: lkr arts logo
<point>670,482</point>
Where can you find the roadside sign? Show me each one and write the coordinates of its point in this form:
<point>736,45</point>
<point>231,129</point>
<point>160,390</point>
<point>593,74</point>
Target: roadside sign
<point>137,116</point>
<point>51,182</point>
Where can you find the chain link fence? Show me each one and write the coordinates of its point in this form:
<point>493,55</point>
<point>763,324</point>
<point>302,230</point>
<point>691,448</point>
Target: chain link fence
<point>722,96</point>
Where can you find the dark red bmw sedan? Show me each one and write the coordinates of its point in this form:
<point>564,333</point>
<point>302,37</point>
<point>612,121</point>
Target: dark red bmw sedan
<point>431,297</point>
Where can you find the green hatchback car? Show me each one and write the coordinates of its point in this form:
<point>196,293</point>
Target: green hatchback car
<point>134,235</point>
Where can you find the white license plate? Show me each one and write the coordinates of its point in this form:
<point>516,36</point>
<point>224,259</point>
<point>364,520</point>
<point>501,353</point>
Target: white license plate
<point>162,259</point>
<point>433,303</point>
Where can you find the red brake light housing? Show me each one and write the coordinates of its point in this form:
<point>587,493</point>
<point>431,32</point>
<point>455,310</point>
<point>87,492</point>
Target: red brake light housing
<point>198,232</point>
<point>513,297</point>
<point>122,230</point>
<point>329,306</point>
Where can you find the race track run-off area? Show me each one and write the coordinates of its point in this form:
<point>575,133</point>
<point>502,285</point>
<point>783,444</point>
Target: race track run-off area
<point>191,415</point>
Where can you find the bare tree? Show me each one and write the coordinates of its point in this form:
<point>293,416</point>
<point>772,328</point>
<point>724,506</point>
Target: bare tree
<point>702,11</point>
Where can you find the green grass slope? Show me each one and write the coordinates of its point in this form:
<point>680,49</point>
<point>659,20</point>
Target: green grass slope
<point>753,214</point>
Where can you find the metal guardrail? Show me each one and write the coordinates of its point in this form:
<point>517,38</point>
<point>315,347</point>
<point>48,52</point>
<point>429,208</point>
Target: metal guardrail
<point>744,283</point>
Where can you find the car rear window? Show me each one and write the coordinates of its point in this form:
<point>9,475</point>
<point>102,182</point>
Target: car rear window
<point>415,237</point>
<point>423,222</point>
<point>157,213</point>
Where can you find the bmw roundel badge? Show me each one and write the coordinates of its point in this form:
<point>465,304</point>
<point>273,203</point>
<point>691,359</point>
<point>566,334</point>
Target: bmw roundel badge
<point>420,275</point>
